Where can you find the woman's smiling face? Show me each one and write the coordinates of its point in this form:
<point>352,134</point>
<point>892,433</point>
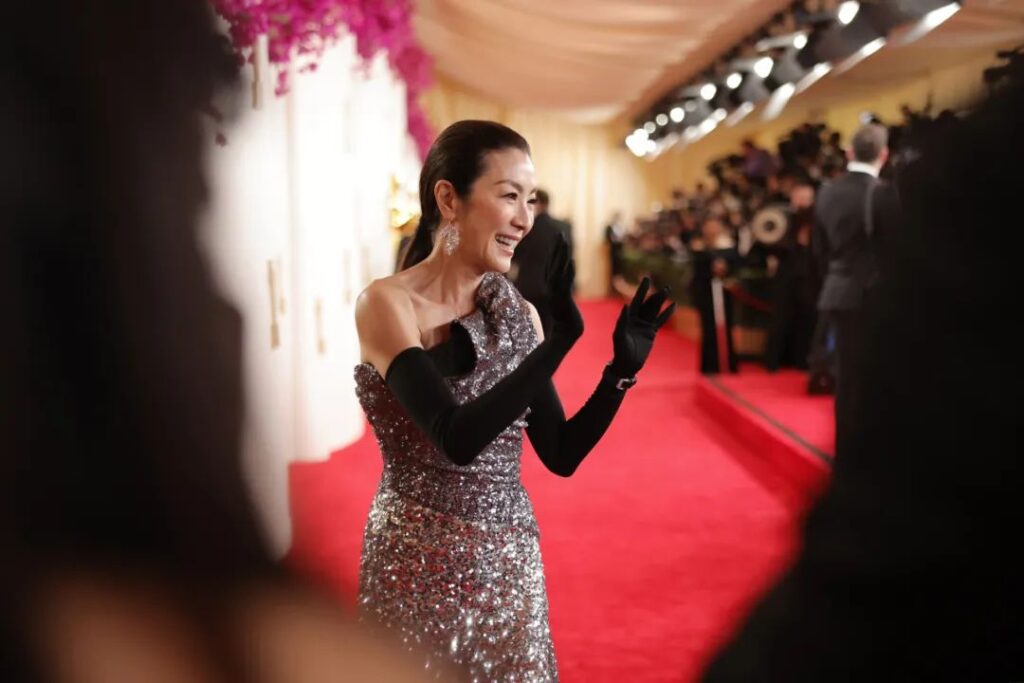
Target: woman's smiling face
<point>498,212</point>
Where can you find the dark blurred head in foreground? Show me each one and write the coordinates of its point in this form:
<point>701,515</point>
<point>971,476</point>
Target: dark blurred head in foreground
<point>119,366</point>
<point>908,568</point>
<point>129,548</point>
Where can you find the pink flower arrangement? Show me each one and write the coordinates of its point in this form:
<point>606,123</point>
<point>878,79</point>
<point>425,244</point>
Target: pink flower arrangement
<point>304,28</point>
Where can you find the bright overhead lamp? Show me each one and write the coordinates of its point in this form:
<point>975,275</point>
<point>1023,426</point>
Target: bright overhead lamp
<point>763,66</point>
<point>847,11</point>
<point>637,143</point>
<point>661,119</point>
<point>733,80</point>
<point>707,91</point>
<point>781,42</point>
<point>650,127</point>
<point>677,114</point>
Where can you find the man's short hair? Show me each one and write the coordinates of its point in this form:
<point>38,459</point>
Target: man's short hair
<point>868,142</point>
<point>542,198</point>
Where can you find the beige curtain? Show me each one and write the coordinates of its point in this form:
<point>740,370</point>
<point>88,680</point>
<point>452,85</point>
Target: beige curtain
<point>586,168</point>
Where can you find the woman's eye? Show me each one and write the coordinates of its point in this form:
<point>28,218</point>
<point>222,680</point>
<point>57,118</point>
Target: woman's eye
<point>532,201</point>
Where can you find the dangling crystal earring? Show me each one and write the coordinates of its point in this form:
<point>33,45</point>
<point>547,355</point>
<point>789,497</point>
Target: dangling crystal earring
<point>450,238</point>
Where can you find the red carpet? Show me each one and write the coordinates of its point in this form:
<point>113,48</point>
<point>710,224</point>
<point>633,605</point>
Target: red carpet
<point>653,550</point>
<point>791,432</point>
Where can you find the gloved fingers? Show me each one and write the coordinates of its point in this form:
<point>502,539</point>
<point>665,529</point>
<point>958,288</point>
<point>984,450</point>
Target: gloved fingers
<point>665,315</point>
<point>638,298</point>
<point>623,318</point>
<point>650,308</point>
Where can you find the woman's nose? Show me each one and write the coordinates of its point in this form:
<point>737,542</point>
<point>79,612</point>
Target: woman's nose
<point>524,217</point>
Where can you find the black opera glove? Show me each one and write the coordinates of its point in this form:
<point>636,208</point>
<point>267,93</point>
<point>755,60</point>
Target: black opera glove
<point>636,328</point>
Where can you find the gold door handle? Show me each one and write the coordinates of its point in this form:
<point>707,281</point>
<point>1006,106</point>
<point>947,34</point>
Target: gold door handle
<point>321,343</point>
<point>272,283</point>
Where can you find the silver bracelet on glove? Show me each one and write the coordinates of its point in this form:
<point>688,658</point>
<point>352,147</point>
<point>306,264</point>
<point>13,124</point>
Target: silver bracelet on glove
<point>621,383</point>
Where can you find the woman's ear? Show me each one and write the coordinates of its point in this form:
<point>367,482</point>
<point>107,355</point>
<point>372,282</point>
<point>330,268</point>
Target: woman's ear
<point>446,198</point>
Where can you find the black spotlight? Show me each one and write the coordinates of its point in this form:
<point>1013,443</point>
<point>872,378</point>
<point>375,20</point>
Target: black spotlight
<point>786,69</point>
<point>839,42</point>
<point>753,89</point>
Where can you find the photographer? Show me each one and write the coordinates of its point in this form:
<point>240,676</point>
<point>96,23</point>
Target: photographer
<point>714,258</point>
<point>794,285</point>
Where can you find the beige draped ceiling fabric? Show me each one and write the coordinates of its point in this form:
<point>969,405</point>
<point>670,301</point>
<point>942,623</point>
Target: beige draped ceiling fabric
<point>585,58</point>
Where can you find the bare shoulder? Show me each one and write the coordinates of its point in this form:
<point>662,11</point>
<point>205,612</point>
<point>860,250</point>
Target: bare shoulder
<point>382,295</point>
<point>385,322</point>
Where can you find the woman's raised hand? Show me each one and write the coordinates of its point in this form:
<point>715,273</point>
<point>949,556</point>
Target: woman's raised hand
<point>636,328</point>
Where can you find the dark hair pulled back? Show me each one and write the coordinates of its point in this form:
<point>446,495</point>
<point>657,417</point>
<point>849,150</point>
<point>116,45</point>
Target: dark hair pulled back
<point>457,156</point>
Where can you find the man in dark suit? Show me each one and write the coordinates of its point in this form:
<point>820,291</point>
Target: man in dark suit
<point>852,216</point>
<point>537,256</point>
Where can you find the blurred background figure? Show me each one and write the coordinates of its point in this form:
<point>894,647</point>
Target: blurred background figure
<point>714,258</point>
<point>758,164</point>
<point>130,549</point>
<point>795,285</point>
<point>855,215</point>
<point>536,257</point>
<point>614,234</point>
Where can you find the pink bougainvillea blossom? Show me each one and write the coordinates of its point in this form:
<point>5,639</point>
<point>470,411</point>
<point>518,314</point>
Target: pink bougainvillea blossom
<point>300,30</point>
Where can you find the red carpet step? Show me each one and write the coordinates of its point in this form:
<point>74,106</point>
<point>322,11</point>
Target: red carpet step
<point>772,414</point>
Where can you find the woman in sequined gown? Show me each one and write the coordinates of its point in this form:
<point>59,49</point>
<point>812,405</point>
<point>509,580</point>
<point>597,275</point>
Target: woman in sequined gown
<point>455,367</point>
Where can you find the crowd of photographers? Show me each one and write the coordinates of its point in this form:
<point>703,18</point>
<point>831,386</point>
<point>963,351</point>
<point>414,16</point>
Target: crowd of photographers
<point>739,249</point>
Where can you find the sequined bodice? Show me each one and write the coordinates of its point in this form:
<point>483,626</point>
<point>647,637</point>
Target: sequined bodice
<point>488,489</point>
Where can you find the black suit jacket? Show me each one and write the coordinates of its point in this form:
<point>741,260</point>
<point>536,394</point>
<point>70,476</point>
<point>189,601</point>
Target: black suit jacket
<point>534,263</point>
<point>847,256</point>
<point>565,230</point>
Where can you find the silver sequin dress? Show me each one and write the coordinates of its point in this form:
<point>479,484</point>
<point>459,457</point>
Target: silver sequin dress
<point>451,558</point>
